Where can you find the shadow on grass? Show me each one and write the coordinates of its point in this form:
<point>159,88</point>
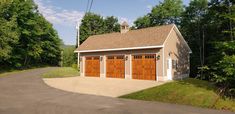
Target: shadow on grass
<point>198,83</point>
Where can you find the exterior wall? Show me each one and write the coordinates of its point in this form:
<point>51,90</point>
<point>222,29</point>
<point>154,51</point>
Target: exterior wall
<point>128,63</point>
<point>160,66</point>
<point>177,51</point>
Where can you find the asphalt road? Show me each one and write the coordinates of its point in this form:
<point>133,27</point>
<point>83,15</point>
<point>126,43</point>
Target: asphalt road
<point>26,93</point>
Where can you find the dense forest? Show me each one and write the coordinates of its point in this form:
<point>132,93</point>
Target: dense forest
<point>26,37</point>
<point>207,26</point>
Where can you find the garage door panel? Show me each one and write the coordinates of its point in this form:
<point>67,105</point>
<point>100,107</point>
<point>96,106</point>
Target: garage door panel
<point>144,67</point>
<point>115,67</point>
<point>92,66</point>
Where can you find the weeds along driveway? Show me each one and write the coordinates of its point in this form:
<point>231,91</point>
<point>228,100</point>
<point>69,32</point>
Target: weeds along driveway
<point>112,87</point>
<point>26,93</point>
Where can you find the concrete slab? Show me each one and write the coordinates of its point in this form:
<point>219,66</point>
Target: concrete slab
<point>111,87</point>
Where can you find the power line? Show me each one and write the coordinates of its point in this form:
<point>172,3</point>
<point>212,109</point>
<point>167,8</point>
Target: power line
<point>91,5</point>
<point>88,2</point>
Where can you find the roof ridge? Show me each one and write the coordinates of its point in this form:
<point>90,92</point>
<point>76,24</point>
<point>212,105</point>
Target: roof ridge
<point>158,26</point>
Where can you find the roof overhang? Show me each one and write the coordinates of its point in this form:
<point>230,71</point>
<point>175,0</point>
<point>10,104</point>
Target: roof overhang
<point>119,49</point>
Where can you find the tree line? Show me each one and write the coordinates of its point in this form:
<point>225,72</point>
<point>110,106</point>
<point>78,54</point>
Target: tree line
<point>94,24</point>
<point>26,37</point>
<point>207,26</point>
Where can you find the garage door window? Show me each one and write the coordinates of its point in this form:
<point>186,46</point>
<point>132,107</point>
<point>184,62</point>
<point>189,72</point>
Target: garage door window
<point>138,57</point>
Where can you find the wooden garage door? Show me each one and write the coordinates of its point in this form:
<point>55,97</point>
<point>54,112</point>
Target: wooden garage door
<point>115,67</point>
<point>92,66</point>
<point>144,67</point>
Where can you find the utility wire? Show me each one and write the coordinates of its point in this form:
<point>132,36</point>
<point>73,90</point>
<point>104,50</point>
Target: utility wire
<point>90,5</point>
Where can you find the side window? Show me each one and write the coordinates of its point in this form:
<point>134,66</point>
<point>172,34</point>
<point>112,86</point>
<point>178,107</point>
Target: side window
<point>175,64</point>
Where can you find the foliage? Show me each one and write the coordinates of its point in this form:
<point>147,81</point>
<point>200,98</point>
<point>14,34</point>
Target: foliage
<point>9,33</point>
<point>190,92</point>
<point>166,12</point>
<point>208,27</point>
<point>93,24</point>
<point>224,70</point>
<point>69,57</point>
<point>111,24</point>
<point>61,72</point>
<point>27,39</point>
<point>193,28</point>
<point>222,65</point>
<point>143,22</point>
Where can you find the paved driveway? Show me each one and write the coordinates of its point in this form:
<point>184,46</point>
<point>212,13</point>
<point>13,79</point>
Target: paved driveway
<point>26,93</point>
<point>111,87</point>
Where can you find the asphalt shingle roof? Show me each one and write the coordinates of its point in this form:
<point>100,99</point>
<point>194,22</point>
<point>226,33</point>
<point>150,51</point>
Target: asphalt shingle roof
<point>152,36</point>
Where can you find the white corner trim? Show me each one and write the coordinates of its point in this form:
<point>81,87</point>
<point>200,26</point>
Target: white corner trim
<point>118,49</point>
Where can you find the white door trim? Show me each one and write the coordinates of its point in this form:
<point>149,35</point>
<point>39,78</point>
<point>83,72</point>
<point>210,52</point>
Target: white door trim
<point>169,69</point>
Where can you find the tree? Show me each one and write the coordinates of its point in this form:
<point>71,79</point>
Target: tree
<point>167,12</point>
<point>142,22</point>
<point>111,24</point>
<point>69,57</point>
<point>193,27</point>
<point>223,71</point>
<point>9,34</point>
<point>222,65</point>
<point>93,24</point>
<point>29,37</point>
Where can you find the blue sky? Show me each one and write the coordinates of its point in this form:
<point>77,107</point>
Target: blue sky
<point>64,14</point>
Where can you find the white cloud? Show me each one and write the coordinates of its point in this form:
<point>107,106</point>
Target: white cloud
<point>57,15</point>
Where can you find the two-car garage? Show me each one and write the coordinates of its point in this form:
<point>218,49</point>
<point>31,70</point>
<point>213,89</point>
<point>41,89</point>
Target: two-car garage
<point>143,66</point>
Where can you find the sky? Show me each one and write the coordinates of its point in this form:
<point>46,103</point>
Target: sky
<point>65,14</point>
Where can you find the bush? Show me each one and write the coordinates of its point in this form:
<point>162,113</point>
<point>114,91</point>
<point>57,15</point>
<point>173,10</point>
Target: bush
<point>69,57</point>
<point>75,66</point>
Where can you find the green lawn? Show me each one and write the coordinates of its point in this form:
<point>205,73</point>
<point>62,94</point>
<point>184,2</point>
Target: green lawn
<point>8,72</point>
<point>61,72</point>
<point>188,92</point>
<point>5,72</point>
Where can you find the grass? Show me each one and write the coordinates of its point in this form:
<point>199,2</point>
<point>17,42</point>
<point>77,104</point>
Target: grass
<point>61,72</point>
<point>188,92</point>
<point>8,71</point>
<point>5,73</point>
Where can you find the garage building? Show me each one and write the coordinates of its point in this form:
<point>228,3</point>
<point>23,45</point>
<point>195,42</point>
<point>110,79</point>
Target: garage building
<point>155,53</point>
